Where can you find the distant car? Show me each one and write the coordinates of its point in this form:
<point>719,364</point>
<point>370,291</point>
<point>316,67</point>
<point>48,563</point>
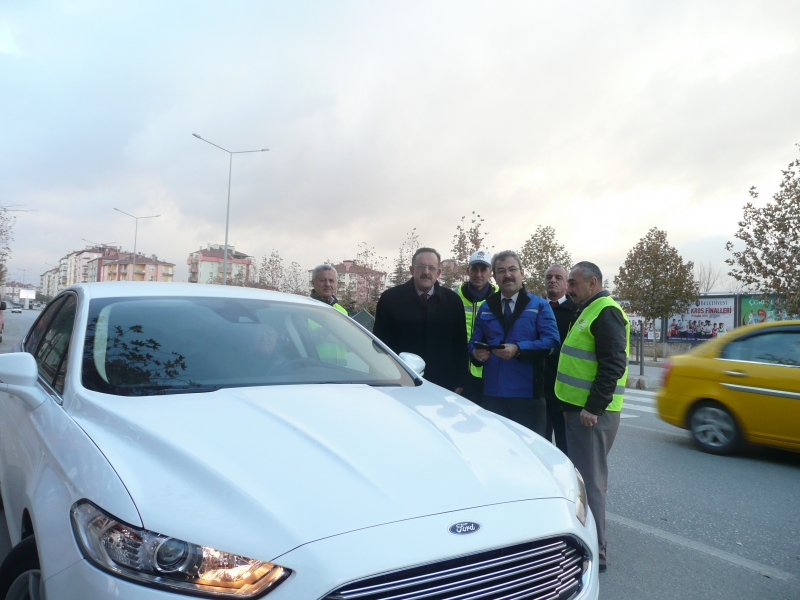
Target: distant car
<point>16,309</point>
<point>173,440</point>
<point>741,387</point>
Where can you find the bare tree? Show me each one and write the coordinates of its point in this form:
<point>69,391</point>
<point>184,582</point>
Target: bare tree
<point>708,276</point>
<point>295,280</point>
<point>400,274</point>
<point>271,272</point>
<point>465,241</point>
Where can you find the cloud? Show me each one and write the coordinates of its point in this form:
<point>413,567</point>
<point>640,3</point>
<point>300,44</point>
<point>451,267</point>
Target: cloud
<point>599,120</point>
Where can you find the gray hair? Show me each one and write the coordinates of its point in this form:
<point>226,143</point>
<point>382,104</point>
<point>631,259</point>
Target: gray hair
<point>589,270</point>
<point>557,266</point>
<point>504,255</point>
<point>425,250</point>
<point>320,268</point>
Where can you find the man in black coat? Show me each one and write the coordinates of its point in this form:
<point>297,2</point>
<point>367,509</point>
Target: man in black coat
<point>555,282</point>
<point>422,317</point>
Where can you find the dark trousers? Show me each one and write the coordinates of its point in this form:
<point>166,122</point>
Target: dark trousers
<point>555,424</point>
<point>528,412</point>
<point>588,450</point>
<point>473,390</point>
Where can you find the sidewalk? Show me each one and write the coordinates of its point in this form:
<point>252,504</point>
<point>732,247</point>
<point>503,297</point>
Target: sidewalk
<point>651,380</point>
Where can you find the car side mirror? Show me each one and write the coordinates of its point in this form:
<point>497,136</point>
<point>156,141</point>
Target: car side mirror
<point>414,362</point>
<point>19,376</point>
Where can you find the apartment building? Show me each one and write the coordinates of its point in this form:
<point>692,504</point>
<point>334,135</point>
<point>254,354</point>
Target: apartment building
<point>12,288</point>
<point>123,267</point>
<point>205,265</point>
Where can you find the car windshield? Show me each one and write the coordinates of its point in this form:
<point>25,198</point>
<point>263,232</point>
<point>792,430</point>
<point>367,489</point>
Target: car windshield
<point>146,346</point>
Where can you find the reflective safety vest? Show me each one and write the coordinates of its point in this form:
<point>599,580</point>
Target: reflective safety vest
<point>330,352</point>
<point>470,311</point>
<point>577,364</point>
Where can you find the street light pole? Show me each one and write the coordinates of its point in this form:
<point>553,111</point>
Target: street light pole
<point>228,209</point>
<point>135,235</point>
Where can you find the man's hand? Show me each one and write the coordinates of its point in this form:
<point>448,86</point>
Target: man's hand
<point>481,355</point>
<point>509,352</point>
<point>587,418</point>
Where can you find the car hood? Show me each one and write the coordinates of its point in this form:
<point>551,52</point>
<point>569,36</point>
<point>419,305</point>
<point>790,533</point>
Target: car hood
<point>260,471</point>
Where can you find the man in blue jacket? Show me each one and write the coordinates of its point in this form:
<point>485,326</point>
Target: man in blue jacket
<point>519,329</point>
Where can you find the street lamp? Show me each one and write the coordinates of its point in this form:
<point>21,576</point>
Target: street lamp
<point>228,210</point>
<point>135,234</point>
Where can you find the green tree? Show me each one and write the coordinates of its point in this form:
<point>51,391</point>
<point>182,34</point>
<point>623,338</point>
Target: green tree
<point>654,281</point>
<point>771,235</point>
<point>538,254</point>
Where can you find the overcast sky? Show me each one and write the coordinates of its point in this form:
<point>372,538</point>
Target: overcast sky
<point>599,119</point>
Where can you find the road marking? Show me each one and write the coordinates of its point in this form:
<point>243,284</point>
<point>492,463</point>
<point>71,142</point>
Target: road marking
<point>624,416</point>
<point>648,409</point>
<point>704,548</point>
<point>640,393</point>
<point>683,436</point>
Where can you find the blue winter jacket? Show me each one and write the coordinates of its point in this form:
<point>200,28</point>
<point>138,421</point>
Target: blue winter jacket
<point>532,328</point>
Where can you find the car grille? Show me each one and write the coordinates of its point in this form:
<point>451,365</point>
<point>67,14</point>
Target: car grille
<point>549,569</point>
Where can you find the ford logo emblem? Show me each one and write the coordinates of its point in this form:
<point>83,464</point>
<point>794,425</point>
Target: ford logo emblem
<point>464,528</point>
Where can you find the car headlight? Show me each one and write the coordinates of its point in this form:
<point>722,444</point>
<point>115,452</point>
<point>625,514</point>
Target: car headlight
<point>580,500</point>
<point>162,561</point>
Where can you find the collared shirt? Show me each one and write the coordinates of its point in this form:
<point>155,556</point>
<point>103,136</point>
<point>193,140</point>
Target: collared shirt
<point>513,302</point>
<point>430,292</point>
<point>562,299</point>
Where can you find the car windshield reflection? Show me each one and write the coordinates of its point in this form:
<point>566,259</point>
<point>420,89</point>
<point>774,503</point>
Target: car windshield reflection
<point>147,346</point>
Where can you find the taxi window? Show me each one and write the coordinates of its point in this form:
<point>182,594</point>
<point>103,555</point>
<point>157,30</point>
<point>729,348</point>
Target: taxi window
<point>774,347</point>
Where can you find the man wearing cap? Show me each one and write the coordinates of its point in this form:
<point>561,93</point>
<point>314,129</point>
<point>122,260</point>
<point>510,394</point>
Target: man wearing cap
<point>592,371</point>
<point>422,317</point>
<point>519,329</point>
<point>473,294</point>
<point>555,283</point>
<point>324,280</point>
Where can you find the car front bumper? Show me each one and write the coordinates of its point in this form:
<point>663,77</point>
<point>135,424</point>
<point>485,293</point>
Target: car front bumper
<point>325,565</point>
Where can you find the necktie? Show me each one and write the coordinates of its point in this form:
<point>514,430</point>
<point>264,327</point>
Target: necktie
<point>424,297</point>
<point>507,310</point>
<point>553,303</point>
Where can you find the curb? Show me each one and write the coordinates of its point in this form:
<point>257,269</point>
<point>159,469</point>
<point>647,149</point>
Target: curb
<point>643,383</point>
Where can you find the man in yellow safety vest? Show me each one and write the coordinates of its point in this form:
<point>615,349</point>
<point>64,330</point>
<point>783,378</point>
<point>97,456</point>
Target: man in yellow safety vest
<point>592,371</point>
<point>473,293</point>
<point>324,280</point>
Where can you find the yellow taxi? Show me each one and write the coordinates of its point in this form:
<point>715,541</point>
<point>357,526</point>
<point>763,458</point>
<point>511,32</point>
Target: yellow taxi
<point>743,386</point>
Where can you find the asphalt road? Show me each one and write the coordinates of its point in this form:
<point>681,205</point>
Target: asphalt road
<point>681,524</point>
<point>685,524</point>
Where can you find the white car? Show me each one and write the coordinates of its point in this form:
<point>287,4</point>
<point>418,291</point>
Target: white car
<point>16,309</point>
<point>164,440</point>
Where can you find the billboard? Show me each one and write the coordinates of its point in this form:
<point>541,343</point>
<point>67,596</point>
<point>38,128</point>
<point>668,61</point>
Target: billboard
<point>704,319</point>
<point>760,309</point>
<point>23,293</point>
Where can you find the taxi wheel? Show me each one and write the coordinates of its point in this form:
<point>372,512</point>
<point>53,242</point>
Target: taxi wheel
<point>714,428</point>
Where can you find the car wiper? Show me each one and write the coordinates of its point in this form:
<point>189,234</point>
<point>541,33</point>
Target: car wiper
<point>200,389</point>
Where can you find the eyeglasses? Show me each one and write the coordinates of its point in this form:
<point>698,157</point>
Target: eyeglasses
<point>510,270</point>
<point>428,268</point>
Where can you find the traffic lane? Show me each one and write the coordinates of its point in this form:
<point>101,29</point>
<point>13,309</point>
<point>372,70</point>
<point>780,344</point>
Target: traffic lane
<point>739,504</point>
<point>684,524</point>
<point>16,326</point>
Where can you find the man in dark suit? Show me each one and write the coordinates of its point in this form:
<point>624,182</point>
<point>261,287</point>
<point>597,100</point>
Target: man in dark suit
<point>422,317</point>
<point>555,282</point>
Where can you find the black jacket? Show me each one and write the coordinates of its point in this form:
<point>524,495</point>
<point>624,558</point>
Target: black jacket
<point>611,340</point>
<point>435,329</point>
<point>564,313</point>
